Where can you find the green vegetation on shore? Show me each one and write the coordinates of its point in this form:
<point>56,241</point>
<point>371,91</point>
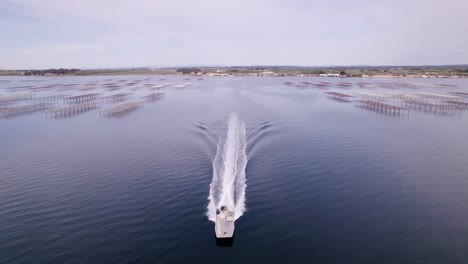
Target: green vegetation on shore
<point>60,71</point>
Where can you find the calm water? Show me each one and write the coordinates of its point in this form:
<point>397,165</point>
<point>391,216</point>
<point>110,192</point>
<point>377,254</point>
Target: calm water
<point>326,181</point>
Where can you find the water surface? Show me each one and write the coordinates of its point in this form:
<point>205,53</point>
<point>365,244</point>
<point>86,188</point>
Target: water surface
<point>326,181</point>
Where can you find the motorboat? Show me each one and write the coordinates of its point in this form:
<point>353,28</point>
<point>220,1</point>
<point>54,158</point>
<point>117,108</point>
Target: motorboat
<point>224,226</point>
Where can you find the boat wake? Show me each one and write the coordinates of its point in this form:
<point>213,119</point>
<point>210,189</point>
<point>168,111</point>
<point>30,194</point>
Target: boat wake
<point>228,184</point>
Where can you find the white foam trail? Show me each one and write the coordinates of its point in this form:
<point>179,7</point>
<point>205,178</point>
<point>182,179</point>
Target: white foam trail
<point>228,184</point>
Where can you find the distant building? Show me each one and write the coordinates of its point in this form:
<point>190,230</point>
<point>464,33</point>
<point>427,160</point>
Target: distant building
<point>330,75</point>
<point>217,74</point>
<point>267,74</point>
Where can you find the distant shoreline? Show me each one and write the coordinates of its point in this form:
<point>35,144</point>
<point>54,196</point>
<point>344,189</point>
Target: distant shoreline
<point>410,72</point>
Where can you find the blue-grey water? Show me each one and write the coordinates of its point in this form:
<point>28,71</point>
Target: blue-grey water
<point>325,181</point>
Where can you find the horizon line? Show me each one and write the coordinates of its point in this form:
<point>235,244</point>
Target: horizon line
<point>239,66</point>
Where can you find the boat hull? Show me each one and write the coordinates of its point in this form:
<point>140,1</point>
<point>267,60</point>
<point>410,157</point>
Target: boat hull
<point>224,227</point>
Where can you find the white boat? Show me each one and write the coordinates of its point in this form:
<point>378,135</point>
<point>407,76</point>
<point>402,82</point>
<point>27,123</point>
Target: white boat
<point>224,227</point>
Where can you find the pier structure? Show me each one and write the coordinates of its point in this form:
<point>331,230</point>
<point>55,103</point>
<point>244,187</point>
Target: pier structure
<point>49,98</point>
<point>131,84</point>
<point>444,109</point>
<point>6,105</point>
<point>460,94</point>
<point>15,97</point>
<point>73,109</point>
<point>121,109</point>
<point>63,87</point>
<point>117,97</point>
<point>376,85</point>
<point>18,88</point>
<point>113,87</point>
<point>381,107</point>
<point>398,97</point>
<point>89,86</point>
<point>415,85</point>
<point>387,85</point>
<point>40,88</point>
<point>366,85</point>
<point>363,96</point>
<point>441,85</point>
<point>397,85</point>
<point>440,97</point>
<point>136,88</point>
<point>153,97</point>
<point>345,84</point>
<point>456,104</point>
<point>299,85</point>
<point>321,84</point>
<point>82,98</point>
<point>20,110</point>
<point>340,96</point>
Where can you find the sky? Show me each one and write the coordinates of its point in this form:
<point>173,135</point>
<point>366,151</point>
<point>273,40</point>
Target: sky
<point>39,34</point>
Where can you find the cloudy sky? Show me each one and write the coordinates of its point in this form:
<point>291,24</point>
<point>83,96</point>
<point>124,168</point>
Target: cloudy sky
<point>113,33</point>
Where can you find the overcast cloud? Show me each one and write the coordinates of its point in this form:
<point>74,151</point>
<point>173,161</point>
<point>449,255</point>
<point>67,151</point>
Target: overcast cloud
<point>111,33</point>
